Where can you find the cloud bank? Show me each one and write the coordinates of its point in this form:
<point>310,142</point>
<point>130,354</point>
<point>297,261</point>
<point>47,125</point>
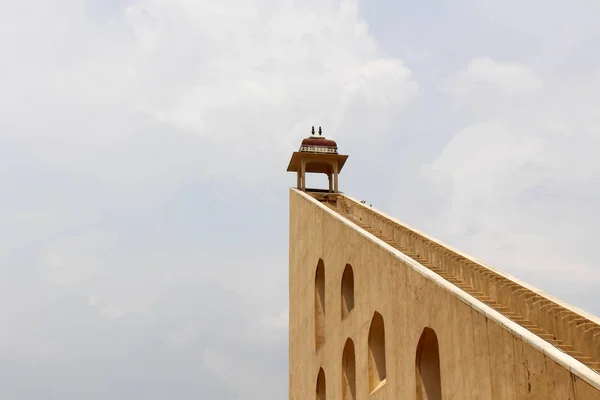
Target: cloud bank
<point>143,147</point>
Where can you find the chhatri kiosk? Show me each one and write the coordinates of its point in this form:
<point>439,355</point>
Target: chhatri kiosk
<point>317,155</point>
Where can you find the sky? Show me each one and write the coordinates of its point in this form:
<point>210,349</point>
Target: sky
<point>143,148</point>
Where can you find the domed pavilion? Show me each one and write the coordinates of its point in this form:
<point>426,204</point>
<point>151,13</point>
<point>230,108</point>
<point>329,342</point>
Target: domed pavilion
<point>317,155</point>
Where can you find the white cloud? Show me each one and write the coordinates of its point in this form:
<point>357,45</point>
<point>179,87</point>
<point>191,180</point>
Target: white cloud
<point>506,78</point>
<point>224,75</point>
<point>486,87</point>
<point>144,152</point>
<point>74,258</point>
<point>128,141</point>
<point>524,175</point>
<point>265,334</point>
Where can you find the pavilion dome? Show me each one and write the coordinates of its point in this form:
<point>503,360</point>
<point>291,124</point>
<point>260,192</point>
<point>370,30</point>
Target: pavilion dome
<point>318,144</point>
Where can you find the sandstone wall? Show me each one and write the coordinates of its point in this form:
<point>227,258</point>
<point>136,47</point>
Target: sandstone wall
<point>478,357</point>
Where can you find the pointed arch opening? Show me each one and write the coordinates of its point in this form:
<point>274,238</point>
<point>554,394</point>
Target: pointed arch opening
<point>321,386</point>
<point>429,382</point>
<point>320,178</point>
<point>377,362</point>
<point>319,304</point>
<point>349,371</point>
<point>347,290</point>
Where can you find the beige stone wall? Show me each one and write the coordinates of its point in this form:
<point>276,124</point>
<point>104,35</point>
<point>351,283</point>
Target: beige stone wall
<point>479,359</point>
<point>574,332</point>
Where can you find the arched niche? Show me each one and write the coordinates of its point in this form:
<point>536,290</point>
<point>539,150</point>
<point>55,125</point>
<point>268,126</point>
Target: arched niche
<point>377,362</point>
<point>349,371</point>
<point>321,386</point>
<point>347,290</point>
<point>427,365</point>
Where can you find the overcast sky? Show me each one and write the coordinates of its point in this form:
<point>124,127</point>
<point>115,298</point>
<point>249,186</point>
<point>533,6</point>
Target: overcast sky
<point>143,148</point>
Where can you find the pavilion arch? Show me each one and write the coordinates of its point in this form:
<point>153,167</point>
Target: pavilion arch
<point>349,371</point>
<point>319,304</point>
<point>321,180</point>
<point>347,290</point>
<point>321,386</point>
<point>377,361</point>
<point>427,367</point>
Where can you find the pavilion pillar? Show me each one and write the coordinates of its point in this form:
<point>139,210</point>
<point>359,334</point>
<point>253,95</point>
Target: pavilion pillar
<point>303,175</point>
<point>335,177</point>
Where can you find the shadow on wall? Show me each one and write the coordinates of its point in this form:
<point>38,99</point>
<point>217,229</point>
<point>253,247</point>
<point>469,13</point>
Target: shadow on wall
<point>319,305</point>
<point>427,366</point>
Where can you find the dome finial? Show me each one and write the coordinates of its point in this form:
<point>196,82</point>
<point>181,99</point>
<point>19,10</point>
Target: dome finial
<point>320,132</point>
<point>313,131</point>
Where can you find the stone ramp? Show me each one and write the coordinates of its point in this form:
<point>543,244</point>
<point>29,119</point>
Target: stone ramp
<point>568,331</point>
